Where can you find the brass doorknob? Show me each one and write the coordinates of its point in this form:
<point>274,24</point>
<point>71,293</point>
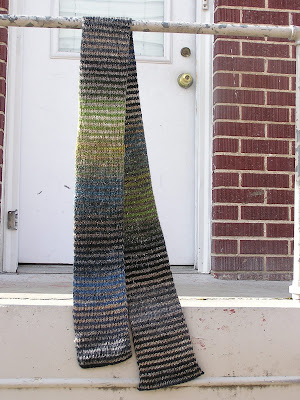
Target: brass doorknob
<point>185,80</point>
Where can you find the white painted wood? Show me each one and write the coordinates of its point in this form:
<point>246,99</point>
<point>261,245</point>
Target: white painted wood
<point>11,166</point>
<point>203,144</point>
<point>262,362</point>
<point>48,146</point>
<point>289,391</point>
<point>295,287</point>
<point>75,383</point>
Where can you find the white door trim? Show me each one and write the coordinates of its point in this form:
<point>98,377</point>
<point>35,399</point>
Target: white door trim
<point>203,143</point>
<point>11,165</point>
<point>203,140</point>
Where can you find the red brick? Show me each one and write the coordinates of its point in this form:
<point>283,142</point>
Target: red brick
<point>279,40</point>
<point>295,19</point>
<point>239,129</point>
<point>1,138</point>
<point>265,49</point>
<point>238,64</point>
<point>293,83</point>
<point>265,114</point>
<point>293,115</point>
<point>278,276</point>
<point>265,213</point>
<point>292,247</point>
<point>281,164</point>
<point>225,145</point>
<point>265,146</point>
<point>3,69</point>
<point>280,196</point>
<point>237,229</point>
<point>239,96</point>
<point>293,181</point>
<point>284,4</point>
<point>265,81</point>
<point>238,162</point>
<point>4,4</point>
<point>226,112</point>
<point>225,179</point>
<point>224,212</point>
<point>240,3</point>
<point>226,47</point>
<point>292,213</point>
<point>3,52</point>
<point>293,147</point>
<point>255,275</point>
<point>281,98</point>
<point>2,120</point>
<point>279,263</point>
<point>280,230</point>
<point>3,35</point>
<point>220,246</point>
<point>265,180</point>
<point>294,52</point>
<point>223,263</point>
<point>238,196</point>
<point>1,156</point>
<point>227,15</point>
<point>265,17</point>
<point>229,275</point>
<point>281,131</point>
<point>264,246</point>
<point>226,79</point>
<point>282,67</point>
<point>2,103</point>
<point>2,86</point>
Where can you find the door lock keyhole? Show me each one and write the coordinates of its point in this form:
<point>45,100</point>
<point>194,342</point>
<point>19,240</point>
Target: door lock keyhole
<point>185,80</point>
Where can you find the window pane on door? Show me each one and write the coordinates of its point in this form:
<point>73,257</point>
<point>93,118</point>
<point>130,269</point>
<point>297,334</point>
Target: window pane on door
<point>145,44</point>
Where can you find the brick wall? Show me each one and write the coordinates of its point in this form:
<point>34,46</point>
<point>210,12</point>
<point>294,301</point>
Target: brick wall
<point>3,60</point>
<point>253,145</point>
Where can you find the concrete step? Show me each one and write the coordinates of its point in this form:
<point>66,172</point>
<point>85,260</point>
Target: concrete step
<point>248,348</point>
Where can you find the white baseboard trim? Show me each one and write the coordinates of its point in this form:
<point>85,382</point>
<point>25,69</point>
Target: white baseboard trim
<point>41,383</point>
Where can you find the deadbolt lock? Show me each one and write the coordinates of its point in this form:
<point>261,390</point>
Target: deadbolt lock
<point>185,52</point>
<point>185,80</point>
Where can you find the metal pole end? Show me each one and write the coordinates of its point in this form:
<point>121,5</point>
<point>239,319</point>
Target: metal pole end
<point>295,34</point>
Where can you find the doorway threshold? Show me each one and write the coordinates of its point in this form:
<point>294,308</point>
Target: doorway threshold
<point>68,269</point>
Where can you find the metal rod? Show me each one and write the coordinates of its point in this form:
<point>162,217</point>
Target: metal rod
<point>286,32</point>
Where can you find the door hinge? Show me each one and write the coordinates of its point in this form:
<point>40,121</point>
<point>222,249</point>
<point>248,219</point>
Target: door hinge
<point>205,4</point>
<point>12,220</point>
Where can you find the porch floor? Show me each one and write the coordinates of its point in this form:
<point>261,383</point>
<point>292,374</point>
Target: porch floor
<point>58,280</point>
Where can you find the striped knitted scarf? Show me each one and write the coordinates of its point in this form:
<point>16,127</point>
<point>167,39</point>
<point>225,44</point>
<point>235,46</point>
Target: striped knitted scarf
<point>122,276</point>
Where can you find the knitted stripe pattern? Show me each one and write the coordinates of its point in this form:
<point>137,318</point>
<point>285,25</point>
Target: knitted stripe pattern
<point>121,268</point>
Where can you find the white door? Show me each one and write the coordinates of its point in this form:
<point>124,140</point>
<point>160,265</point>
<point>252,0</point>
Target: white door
<point>48,125</point>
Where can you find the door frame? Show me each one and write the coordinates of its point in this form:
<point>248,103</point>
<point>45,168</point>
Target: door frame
<point>12,135</point>
<point>203,141</point>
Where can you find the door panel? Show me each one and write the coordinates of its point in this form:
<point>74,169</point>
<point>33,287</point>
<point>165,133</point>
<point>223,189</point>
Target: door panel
<point>49,128</point>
